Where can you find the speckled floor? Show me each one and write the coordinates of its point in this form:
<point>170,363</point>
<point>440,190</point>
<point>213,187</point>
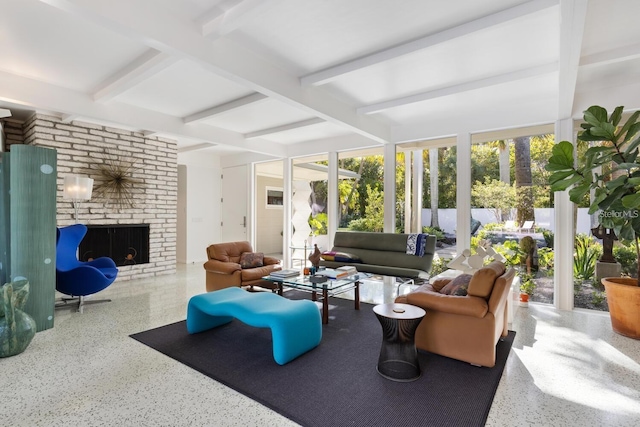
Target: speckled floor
<point>565,368</point>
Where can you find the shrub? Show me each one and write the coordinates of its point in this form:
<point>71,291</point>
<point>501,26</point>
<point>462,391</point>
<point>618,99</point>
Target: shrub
<point>439,265</point>
<point>587,251</point>
<point>435,231</point>
<point>628,259</point>
<point>548,237</point>
<point>318,223</point>
<point>511,251</point>
<point>545,258</point>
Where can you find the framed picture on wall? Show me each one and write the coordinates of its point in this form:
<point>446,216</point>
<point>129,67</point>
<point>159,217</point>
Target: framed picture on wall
<point>275,197</point>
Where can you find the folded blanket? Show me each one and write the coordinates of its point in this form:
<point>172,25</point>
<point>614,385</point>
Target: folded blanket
<point>416,244</point>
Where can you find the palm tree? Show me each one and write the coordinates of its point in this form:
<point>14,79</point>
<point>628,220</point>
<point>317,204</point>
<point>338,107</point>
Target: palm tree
<point>524,193</point>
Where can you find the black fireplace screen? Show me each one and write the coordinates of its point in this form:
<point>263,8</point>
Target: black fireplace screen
<point>126,244</point>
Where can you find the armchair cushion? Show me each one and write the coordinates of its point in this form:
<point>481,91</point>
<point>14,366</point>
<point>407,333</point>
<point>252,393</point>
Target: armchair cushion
<point>481,283</point>
<point>438,284</point>
<point>458,286</point>
<point>251,259</point>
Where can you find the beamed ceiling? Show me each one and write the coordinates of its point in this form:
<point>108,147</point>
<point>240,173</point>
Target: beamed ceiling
<point>297,77</point>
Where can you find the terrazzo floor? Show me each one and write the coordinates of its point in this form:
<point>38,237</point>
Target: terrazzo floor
<point>565,368</point>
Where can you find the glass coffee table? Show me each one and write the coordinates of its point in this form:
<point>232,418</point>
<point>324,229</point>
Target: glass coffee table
<point>327,289</point>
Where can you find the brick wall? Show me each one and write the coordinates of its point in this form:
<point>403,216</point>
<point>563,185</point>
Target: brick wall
<point>78,144</point>
<point>12,132</point>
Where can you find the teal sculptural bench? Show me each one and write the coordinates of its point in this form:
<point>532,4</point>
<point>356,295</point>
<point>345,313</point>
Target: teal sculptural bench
<point>295,325</point>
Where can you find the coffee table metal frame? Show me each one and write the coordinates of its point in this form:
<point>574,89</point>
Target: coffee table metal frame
<point>326,289</point>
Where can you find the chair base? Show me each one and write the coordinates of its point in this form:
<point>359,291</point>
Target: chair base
<point>77,302</point>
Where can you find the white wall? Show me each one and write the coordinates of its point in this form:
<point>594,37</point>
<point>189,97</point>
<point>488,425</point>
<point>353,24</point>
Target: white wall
<point>200,207</point>
<point>544,218</point>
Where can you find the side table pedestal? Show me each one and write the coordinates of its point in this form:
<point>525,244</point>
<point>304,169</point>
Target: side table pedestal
<point>398,359</point>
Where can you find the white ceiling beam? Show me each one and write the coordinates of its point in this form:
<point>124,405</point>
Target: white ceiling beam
<point>283,128</point>
<point>32,93</point>
<point>163,31</point>
<point>331,73</point>
<point>140,69</point>
<point>459,88</point>
<point>573,15</point>
<point>625,53</point>
<point>68,118</point>
<point>228,16</point>
<point>223,108</point>
<point>195,147</point>
<point>4,113</point>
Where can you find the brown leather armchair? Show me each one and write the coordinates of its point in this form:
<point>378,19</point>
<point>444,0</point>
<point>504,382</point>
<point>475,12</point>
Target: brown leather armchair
<point>467,327</point>
<point>223,269</point>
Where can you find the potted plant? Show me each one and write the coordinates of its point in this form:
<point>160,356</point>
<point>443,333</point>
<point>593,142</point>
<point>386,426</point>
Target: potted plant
<point>527,286</point>
<point>612,171</point>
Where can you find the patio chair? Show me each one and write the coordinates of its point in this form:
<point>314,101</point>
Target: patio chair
<point>510,225</point>
<point>527,226</point>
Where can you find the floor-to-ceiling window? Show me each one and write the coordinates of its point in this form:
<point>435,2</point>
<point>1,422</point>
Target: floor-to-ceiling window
<point>361,195</point>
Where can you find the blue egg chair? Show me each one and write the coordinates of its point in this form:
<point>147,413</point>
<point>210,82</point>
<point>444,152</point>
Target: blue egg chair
<point>77,278</point>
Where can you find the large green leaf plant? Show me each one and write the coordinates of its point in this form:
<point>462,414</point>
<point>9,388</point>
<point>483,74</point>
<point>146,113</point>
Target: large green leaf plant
<point>611,169</point>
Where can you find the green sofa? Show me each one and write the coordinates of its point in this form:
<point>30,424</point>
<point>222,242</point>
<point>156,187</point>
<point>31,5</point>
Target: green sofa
<point>383,253</point>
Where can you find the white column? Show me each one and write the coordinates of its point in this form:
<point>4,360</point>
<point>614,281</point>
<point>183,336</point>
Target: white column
<point>418,172</point>
<point>287,174</point>
<point>407,192</point>
<point>389,188</point>
<point>463,197</point>
<point>563,234</point>
<point>333,203</point>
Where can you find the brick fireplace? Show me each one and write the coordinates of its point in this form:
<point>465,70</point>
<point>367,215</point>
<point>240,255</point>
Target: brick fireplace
<point>78,144</point>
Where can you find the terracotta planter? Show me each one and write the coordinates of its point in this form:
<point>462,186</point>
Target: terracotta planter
<point>524,300</point>
<point>623,297</point>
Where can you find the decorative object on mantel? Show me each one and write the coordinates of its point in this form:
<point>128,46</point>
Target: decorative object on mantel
<point>115,179</point>
<point>77,189</point>
<point>469,264</point>
<point>17,328</point>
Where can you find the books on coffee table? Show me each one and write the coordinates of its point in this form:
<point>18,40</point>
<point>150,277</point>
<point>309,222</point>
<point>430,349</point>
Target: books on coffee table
<point>338,273</point>
<point>285,273</point>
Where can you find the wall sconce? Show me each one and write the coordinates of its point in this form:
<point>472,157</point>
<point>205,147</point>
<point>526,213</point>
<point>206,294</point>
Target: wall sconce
<point>77,189</point>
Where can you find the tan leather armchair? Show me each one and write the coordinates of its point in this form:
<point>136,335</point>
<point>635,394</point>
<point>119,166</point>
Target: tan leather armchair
<point>223,269</point>
<point>467,327</point>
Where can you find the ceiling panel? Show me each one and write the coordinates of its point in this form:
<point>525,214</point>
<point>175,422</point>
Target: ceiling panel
<point>45,44</point>
<point>308,36</point>
<point>258,116</point>
<point>183,88</point>
<point>307,133</point>
<point>509,96</point>
<point>516,45</point>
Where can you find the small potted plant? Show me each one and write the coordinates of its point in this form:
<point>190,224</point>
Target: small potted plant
<point>527,286</point>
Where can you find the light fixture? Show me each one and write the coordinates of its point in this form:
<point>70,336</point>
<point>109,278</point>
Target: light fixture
<point>77,189</point>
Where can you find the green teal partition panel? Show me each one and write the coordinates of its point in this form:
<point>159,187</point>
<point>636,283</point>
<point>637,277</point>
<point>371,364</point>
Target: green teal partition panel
<point>32,219</point>
<point>4,218</point>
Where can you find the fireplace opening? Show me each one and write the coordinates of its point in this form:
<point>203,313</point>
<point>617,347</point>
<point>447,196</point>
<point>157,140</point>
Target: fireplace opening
<point>125,244</point>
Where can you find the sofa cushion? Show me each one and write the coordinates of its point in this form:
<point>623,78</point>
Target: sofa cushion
<point>251,259</point>
<point>340,257</point>
<point>328,255</point>
<point>458,286</point>
<point>481,283</point>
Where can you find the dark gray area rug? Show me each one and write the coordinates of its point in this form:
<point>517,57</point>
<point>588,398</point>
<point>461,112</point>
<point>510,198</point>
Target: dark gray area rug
<point>336,384</point>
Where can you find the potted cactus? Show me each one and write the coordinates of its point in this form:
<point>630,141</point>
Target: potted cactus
<point>612,170</point>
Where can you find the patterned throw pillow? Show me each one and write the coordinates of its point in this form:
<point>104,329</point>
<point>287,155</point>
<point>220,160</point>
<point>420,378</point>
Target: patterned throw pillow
<point>457,286</point>
<point>328,255</point>
<point>251,259</point>
<point>346,257</point>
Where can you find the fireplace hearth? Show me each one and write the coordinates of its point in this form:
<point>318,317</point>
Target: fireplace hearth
<point>126,244</point>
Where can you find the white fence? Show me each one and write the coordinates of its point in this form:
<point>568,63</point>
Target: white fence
<point>543,218</point>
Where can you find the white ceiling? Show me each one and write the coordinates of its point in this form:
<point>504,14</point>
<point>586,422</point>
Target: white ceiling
<point>290,77</point>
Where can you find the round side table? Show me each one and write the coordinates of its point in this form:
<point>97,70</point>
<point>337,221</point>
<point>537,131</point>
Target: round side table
<point>398,359</point>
